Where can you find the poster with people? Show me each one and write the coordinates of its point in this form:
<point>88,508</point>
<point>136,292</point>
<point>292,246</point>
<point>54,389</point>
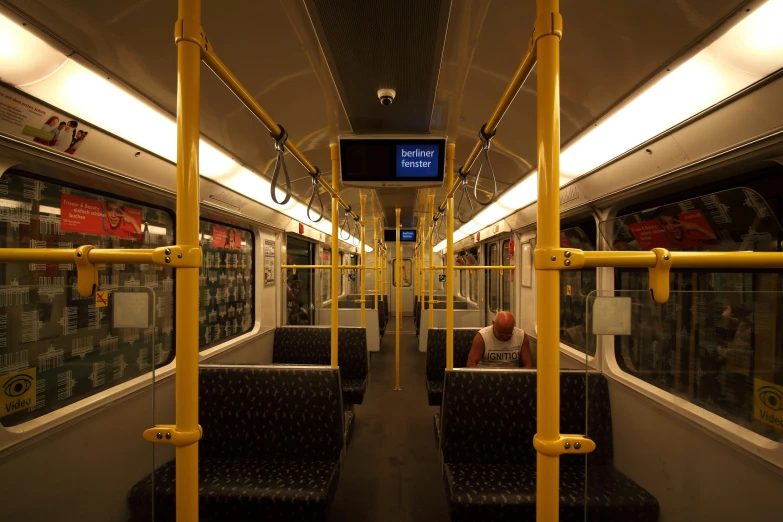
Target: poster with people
<point>22,117</point>
<point>227,238</point>
<point>90,216</point>
<point>735,219</point>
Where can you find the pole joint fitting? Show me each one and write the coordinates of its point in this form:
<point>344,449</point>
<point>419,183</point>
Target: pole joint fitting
<point>563,444</point>
<point>548,24</point>
<point>558,258</point>
<point>178,256</point>
<point>190,31</point>
<point>168,434</point>
<point>659,275</point>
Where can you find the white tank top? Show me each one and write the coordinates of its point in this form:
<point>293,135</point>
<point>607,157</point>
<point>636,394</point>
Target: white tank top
<point>501,354</point>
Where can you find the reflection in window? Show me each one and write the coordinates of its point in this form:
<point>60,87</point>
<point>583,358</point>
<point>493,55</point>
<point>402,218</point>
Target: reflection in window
<point>299,283</point>
<point>406,273</point>
<point>225,282</point>
<point>507,289</point>
<point>326,276</point>
<point>45,324</point>
<point>575,286</point>
<point>492,278</point>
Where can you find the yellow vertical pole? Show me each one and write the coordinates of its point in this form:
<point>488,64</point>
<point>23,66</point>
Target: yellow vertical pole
<point>398,294</point>
<point>376,260</point>
<point>450,259</point>
<point>432,261</point>
<point>547,31</point>
<point>362,202</point>
<point>187,288</point>
<point>335,152</point>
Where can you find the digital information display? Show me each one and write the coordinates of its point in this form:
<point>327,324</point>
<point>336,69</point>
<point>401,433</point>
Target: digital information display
<point>417,161</point>
<point>392,162</point>
<point>406,235</point>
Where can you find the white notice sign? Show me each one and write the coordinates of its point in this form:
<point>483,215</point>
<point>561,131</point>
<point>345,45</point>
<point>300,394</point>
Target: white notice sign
<point>612,316</point>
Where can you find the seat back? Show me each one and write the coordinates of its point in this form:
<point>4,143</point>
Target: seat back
<point>271,412</point>
<point>436,350</point>
<point>313,345</point>
<point>489,416</point>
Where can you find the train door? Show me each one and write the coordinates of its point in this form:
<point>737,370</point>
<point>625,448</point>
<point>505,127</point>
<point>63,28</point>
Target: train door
<point>499,287</point>
<point>406,286</point>
<point>492,283</point>
<point>300,306</point>
<point>353,275</point>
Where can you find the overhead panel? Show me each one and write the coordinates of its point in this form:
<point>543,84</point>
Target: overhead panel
<point>377,45</point>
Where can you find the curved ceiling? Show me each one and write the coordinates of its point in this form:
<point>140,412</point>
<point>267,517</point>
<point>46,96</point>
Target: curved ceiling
<point>281,53</point>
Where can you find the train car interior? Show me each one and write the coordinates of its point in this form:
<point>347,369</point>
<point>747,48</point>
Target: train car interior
<point>366,261</point>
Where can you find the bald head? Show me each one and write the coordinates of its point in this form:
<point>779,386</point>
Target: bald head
<point>503,326</point>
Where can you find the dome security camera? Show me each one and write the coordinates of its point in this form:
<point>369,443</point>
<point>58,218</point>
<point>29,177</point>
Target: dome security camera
<point>386,96</point>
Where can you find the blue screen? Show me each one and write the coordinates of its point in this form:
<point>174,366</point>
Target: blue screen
<point>417,161</point>
<point>407,235</point>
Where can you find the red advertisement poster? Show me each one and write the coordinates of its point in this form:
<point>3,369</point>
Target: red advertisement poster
<point>223,237</point>
<point>564,243</point>
<point>88,216</point>
<point>688,229</point>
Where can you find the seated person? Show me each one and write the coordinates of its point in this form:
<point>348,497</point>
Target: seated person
<point>501,345</point>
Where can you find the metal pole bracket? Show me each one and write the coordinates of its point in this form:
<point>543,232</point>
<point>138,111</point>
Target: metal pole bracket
<point>563,445</point>
<point>178,256</point>
<point>168,434</point>
<point>86,272</point>
<point>190,31</point>
<point>659,275</point>
<point>558,258</point>
<point>548,24</point>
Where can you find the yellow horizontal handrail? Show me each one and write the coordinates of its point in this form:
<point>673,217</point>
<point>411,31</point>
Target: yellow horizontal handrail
<point>326,267</point>
<point>473,267</point>
<point>68,255</point>
<point>683,259</point>
<point>234,85</point>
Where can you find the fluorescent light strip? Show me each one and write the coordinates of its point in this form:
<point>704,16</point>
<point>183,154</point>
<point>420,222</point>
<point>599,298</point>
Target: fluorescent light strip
<point>745,54</point>
<point>36,68</point>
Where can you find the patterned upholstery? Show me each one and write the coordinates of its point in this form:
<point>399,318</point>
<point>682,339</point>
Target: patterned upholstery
<point>349,422</point>
<point>273,454</point>
<point>495,480</point>
<point>436,358</point>
<point>436,420</point>
<point>312,345</point>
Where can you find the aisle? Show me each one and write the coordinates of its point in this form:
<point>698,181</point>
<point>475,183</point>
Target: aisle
<point>391,470</point>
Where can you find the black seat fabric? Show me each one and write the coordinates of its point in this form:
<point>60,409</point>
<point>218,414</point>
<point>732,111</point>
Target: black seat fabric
<point>436,358</point>
<point>312,345</point>
<point>495,480</point>
<point>271,448</point>
<point>436,421</point>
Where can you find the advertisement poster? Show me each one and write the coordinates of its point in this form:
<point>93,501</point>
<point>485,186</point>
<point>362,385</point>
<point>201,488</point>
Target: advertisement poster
<point>89,216</point>
<point>24,118</point>
<point>735,219</point>
<point>269,247</point>
<point>223,237</point>
<point>684,230</point>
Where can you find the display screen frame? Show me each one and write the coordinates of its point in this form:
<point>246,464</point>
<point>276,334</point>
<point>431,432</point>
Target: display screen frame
<point>390,235</point>
<point>372,161</point>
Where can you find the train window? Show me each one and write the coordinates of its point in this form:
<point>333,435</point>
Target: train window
<point>575,286</point>
<point>463,275</point>
<point>326,276</point>
<point>45,324</point>
<point>473,275</point>
<point>406,273</point>
<point>299,283</point>
<point>492,278</point>
<point>507,287</point>
<point>717,342</point>
<point>226,281</point>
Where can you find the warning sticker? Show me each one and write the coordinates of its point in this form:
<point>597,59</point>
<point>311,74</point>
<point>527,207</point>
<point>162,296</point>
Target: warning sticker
<point>768,403</point>
<point>568,289</point>
<point>17,391</point>
<point>101,299</point>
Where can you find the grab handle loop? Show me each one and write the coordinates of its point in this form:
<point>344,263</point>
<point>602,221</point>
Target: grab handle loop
<point>344,227</point>
<point>280,148</point>
<point>315,193</point>
<point>356,232</point>
<point>470,202</point>
<point>485,140</point>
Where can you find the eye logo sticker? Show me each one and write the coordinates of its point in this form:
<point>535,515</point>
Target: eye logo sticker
<point>17,391</point>
<point>768,403</point>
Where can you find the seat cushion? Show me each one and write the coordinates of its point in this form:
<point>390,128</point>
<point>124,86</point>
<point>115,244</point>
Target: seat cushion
<point>435,392</point>
<point>241,489</point>
<point>353,390</point>
<point>502,492</point>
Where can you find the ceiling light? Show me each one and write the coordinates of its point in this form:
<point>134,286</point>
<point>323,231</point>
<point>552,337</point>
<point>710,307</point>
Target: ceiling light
<point>24,58</point>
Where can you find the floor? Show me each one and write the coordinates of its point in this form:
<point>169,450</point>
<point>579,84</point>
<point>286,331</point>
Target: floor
<point>391,470</point>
